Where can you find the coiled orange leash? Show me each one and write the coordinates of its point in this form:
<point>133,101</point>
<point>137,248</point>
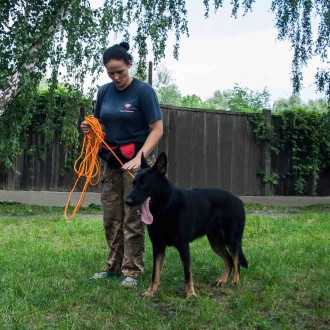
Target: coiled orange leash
<point>87,164</point>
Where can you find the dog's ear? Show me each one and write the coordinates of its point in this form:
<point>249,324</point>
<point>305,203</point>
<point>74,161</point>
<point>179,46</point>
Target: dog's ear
<point>161,163</point>
<point>144,163</point>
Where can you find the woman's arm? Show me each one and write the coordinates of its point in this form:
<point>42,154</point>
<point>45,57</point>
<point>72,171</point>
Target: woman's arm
<point>156,132</point>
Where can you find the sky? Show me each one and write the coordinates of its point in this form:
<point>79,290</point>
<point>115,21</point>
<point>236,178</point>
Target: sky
<point>222,51</point>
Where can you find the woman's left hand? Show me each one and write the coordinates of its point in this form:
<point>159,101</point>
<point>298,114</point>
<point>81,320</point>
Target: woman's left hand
<point>156,131</point>
<point>133,164</point>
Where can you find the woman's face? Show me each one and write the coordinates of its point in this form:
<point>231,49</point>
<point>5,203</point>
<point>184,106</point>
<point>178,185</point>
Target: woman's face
<point>118,72</point>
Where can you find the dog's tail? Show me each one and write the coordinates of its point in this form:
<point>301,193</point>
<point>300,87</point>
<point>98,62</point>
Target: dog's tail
<point>241,258</point>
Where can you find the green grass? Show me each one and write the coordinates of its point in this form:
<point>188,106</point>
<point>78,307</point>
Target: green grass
<point>46,262</point>
<point>19,209</point>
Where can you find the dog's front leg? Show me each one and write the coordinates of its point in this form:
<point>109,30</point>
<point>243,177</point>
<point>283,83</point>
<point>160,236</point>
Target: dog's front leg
<point>188,281</point>
<point>158,261</point>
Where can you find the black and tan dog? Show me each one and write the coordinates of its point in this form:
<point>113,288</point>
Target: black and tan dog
<point>180,216</point>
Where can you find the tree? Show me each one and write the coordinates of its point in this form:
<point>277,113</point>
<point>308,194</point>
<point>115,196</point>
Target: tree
<point>69,36</point>
<point>319,105</point>
<point>219,99</point>
<point>164,77</point>
<point>169,95</point>
<point>295,102</point>
<point>167,91</point>
<point>194,101</point>
<point>293,20</point>
<point>242,99</point>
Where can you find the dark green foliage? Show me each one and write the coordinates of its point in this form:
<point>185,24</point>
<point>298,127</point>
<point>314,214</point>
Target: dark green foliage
<point>48,113</point>
<point>306,135</point>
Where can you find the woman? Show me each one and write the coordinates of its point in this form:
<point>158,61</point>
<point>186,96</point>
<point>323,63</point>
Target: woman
<point>129,112</point>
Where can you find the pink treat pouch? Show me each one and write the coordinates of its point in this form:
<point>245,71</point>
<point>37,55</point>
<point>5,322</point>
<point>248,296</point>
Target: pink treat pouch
<point>127,150</point>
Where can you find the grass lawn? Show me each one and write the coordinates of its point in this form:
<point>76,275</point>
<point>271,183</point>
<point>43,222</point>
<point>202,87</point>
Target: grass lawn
<point>46,262</point>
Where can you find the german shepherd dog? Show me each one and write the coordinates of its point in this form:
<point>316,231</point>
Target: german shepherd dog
<point>181,216</point>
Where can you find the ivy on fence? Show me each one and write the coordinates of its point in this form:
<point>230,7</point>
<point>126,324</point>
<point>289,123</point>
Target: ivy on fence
<point>49,113</point>
<point>306,135</point>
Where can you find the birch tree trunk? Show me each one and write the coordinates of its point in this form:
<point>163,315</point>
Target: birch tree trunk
<point>9,92</point>
<point>37,49</point>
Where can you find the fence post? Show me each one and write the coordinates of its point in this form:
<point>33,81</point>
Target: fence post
<point>266,155</point>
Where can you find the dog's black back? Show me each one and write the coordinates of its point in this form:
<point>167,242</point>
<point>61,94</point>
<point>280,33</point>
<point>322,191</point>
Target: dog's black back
<point>180,216</point>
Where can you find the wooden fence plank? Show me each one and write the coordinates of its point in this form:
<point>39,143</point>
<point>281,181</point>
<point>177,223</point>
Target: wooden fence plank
<point>198,151</point>
<point>212,151</point>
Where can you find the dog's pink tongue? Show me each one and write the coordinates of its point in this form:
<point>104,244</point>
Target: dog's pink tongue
<point>146,216</point>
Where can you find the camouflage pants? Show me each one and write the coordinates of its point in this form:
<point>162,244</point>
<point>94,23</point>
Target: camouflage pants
<point>124,230</point>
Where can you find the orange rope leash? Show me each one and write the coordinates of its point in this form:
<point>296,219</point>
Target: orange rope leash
<point>87,164</point>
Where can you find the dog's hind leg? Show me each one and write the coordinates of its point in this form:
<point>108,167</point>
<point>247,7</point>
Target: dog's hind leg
<point>219,247</point>
<point>234,252</point>
<point>185,259</point>
<point>158,262</point>
<point>236,269</point>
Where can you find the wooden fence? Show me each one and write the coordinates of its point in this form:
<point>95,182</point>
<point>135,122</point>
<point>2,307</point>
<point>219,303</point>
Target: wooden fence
<point>205,148</point>
<point>211,149</point>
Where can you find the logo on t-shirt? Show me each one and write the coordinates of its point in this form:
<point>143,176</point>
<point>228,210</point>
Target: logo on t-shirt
<point>127,107</point>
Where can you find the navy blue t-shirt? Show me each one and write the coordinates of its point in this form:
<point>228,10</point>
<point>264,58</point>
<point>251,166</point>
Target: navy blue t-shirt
<point>126,114</point>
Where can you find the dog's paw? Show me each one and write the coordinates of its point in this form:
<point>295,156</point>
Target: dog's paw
<point>149,294</point>
<point>221,282</point>
<point>191,295</point>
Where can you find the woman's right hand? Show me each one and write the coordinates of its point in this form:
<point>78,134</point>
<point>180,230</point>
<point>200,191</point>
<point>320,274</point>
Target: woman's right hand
<point>85,128</point>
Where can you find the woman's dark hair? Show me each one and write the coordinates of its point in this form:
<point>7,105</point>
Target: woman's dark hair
<point>118,52</point>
